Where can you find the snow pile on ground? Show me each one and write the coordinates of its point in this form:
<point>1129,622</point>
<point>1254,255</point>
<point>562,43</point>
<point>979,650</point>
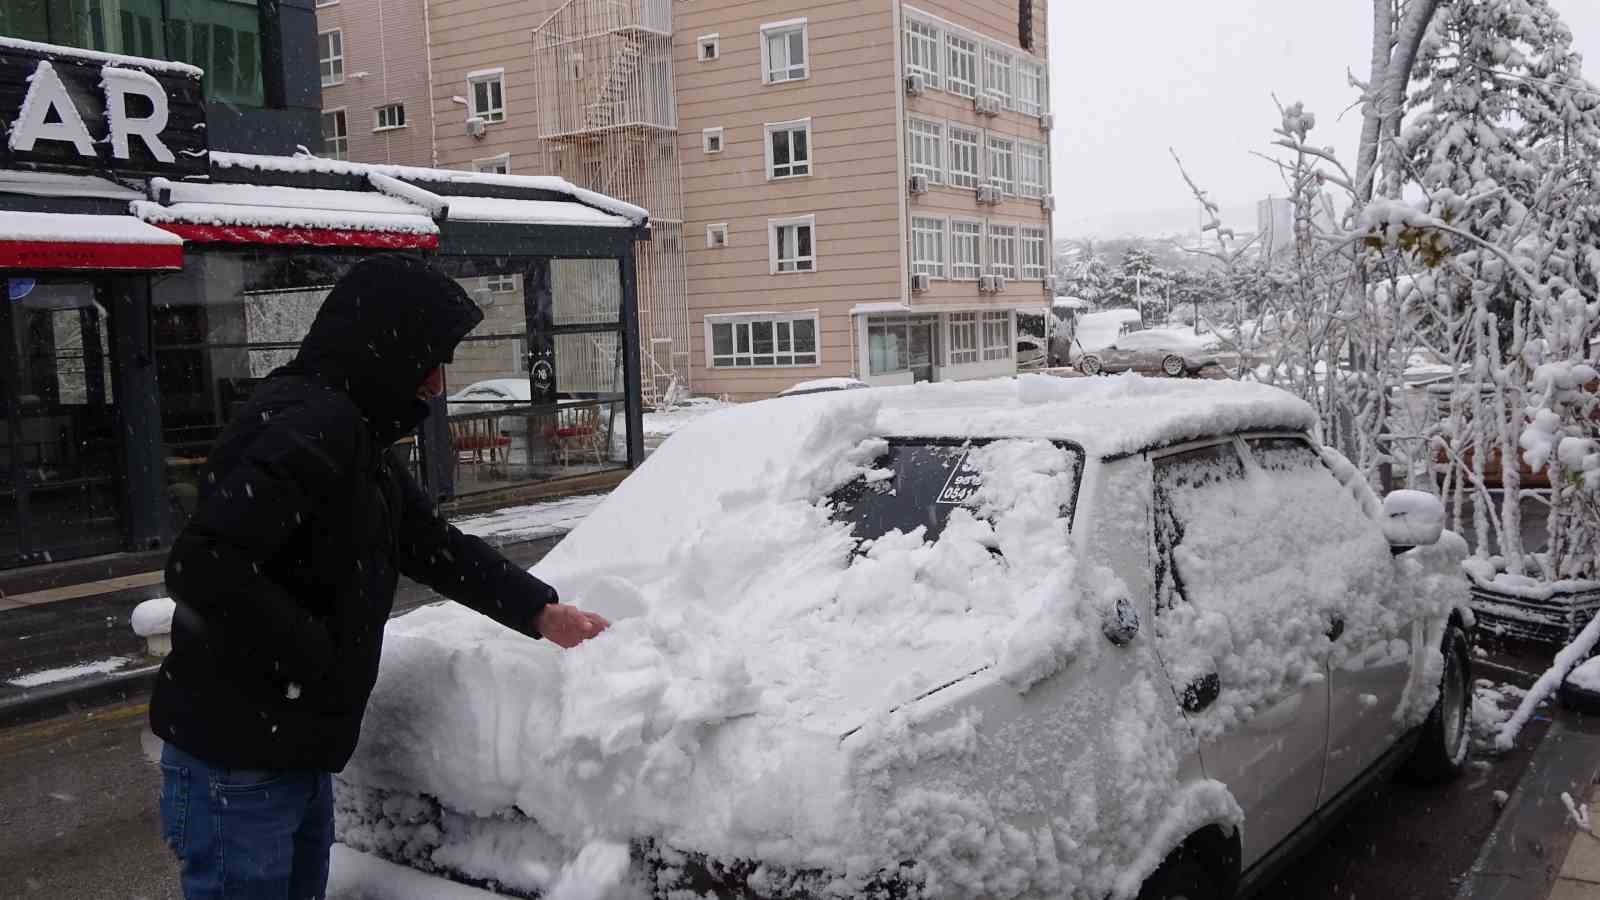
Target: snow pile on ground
<point>526,523</point>
<point>667,422</point>
<point>1587,675</point>
<point>1492,706</point>
<point>758,696</point>
<point>67,673</point>
<point>154,617</point>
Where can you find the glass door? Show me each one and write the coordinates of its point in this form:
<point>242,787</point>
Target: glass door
<point>59,444</point>
<point>924,347</point>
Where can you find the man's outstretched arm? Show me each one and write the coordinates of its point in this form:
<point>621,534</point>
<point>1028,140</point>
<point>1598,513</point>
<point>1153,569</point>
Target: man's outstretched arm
<point>472,573</point>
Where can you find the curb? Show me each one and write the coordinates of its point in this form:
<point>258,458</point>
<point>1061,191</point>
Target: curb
<point>70,696</point>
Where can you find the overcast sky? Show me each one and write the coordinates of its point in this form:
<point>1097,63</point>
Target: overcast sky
<point>1134,77</point>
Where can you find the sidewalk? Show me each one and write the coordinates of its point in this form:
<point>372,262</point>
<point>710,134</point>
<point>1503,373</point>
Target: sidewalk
<point>64,650</point>
<point>1579,878</point>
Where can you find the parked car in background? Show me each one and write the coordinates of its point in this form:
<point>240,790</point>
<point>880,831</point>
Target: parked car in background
<point>823,386</point>
<point>1030,353</point>
<point>1168,351</point>
<point>1028,637</point>
<point>496,393</point>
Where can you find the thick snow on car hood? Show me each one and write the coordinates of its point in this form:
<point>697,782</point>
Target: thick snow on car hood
<point>749,635</point>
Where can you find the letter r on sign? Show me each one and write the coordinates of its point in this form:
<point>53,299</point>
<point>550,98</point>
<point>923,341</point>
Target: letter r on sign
<point>118,85</point>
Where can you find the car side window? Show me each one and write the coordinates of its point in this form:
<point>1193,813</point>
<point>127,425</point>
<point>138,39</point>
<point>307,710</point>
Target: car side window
<point>1184,482</point>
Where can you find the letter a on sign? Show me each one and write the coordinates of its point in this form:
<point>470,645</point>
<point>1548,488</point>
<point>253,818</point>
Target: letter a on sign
<point>118,85</point>
<point>46,93</point>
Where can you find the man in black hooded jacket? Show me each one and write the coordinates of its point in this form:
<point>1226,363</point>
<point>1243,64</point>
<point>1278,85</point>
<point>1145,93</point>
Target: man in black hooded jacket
<point>286,574</point>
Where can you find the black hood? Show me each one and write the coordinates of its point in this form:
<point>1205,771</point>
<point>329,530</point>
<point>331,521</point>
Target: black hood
<point>387,323</point>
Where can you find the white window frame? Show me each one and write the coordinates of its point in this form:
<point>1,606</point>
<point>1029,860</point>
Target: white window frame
<point>331,66</point>
<point>999,74</point>
<point>1032,98</point>
<point>801,265</point>
<point>712,233</point>
<point>960,269</point>
<point>968,49</point>
<point>791,71</point>
<point>929,244</point>
<point>377,116</point>
<point>504,283</point>
<point>962,178</point>
<point>486,76</point>
<point>995,335</point>
<point>780,322</point>
<point>791,128</point>
<point>962,328</point>
<point>1033,257</point>
<point>923,136</point>
<point>709,134</point>
<point>708,48</point>
<point>340,114</point>
<point>1003,250</point>
<point>924,48</point>
<point>1001,151</point>
<point>491,165</point>
<point>1033,170</point>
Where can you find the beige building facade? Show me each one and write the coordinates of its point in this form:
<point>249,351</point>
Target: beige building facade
<point>837,188</point>
<point>376,102</point>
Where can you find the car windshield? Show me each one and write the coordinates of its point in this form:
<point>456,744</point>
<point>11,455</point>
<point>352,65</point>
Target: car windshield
<point>919,483</point>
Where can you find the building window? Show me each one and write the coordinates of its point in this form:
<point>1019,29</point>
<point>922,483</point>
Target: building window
<point>922,51</point>
<point>494,165</point>
<point>966,242</point>
<point>500,284</point>
<point>335,135</point>
<point>1033,254</point>
<point>487,94</point>
<point>1030,89</point>
<point>330,56</point>
<point>926,143</point>
<point>711,140</point>
<point>888,345</point>
<point>996,336</point>
<point>964,143</point>
<point>789,149</point>
<point>997,68</point>
<point>961,73</point>
<point>708,47</point>
<point>1003,251</point>
<point>1003,163</point>
<point>927,246</point>
<point>716,236</point>
<point>1034,171</point>
<point>784,53</point>
<point>392,115</point>
<point>792,245</point>
<point>963,338</point>
<point>773,340</point>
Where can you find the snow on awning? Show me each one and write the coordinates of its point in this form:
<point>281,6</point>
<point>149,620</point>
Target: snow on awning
<point>531,212</point>
<point>54,184</point>
<point>35,240</point>
<point>259,214</point>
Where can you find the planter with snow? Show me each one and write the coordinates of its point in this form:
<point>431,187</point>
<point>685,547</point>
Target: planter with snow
<point>1530,609</point>
<point>1581,689</point>
<point>152,620</point>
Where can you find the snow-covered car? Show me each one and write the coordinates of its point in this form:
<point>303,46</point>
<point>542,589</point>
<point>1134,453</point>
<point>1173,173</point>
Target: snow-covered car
<point>493,394</point>
<point>823,386</point>
<point>1170,351</point>
<point>1030,353</point>
<point>1028,637</point>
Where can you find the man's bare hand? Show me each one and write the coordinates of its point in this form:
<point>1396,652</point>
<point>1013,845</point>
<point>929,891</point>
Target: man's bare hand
<point>568,626</point>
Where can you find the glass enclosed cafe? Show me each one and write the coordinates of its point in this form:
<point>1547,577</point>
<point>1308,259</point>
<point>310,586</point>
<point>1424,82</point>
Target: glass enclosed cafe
<point>151,284</point>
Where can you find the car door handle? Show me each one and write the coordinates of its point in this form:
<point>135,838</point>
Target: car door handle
<point>1201,693</point>
<point>1336,628</point>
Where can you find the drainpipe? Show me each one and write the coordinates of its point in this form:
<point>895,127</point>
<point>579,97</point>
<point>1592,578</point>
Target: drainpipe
<point>433,119</point>
<point>897,26</point>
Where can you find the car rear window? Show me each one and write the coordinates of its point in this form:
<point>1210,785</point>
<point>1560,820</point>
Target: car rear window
<point>919,483</point>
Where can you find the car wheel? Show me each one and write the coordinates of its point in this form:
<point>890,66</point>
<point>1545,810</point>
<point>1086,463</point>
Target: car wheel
<point>1091,365</point>
<point>1181,877</point>
<point>1442,753</point>
<point>1173,365</point>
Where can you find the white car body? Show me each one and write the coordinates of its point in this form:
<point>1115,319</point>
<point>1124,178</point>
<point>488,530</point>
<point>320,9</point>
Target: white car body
<point>986,714</point>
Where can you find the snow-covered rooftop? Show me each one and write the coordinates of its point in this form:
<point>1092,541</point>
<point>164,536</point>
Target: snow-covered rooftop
<point>318,165</point>
<point>532,212</point>
<point>55,184</point>
<point>259,206</point>
<point>80,229</point>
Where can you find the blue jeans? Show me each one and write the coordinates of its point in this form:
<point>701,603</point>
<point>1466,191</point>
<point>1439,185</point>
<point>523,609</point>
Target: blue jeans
<point>246,834</point>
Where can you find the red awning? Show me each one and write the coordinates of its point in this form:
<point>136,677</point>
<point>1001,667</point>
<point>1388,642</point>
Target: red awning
<point>302,237</point>
<point>62,241</point>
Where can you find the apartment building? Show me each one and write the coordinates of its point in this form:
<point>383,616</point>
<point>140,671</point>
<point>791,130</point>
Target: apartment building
<point>372,57</point>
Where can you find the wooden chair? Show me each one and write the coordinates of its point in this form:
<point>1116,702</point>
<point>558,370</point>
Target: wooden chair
<point>476,440</point>
<point>575,432</point>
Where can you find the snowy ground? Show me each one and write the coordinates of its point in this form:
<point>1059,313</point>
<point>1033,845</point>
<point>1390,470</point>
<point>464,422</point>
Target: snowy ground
<point>529,523</point>
<point>67,673</point>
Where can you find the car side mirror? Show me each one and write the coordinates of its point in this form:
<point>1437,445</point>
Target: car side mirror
<point>1412,519</point>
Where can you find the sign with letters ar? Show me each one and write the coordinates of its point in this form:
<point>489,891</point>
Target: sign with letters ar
<point>69,110</point>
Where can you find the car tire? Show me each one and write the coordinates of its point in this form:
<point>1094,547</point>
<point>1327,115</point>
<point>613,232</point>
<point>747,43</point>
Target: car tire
<point>1091,365</point>
<point>1173,365</point>
<point>1181,877</point>
<point>1446,736</point>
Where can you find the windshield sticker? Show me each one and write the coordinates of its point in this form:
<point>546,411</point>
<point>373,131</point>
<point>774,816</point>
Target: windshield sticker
<point>964,481</point>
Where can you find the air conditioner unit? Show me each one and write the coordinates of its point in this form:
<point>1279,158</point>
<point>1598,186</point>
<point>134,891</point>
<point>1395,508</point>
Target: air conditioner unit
<point>998,283</point>
<point>921,282</point>
<point>988,195</point>
<point>986,105</point>
<point>986,284</point>
<point>918,184</point>
<point>916,85</point>
<point>1050,284</point>
<point>475,126</point>
<point>1047,121</point>
<point>1048,201</point>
